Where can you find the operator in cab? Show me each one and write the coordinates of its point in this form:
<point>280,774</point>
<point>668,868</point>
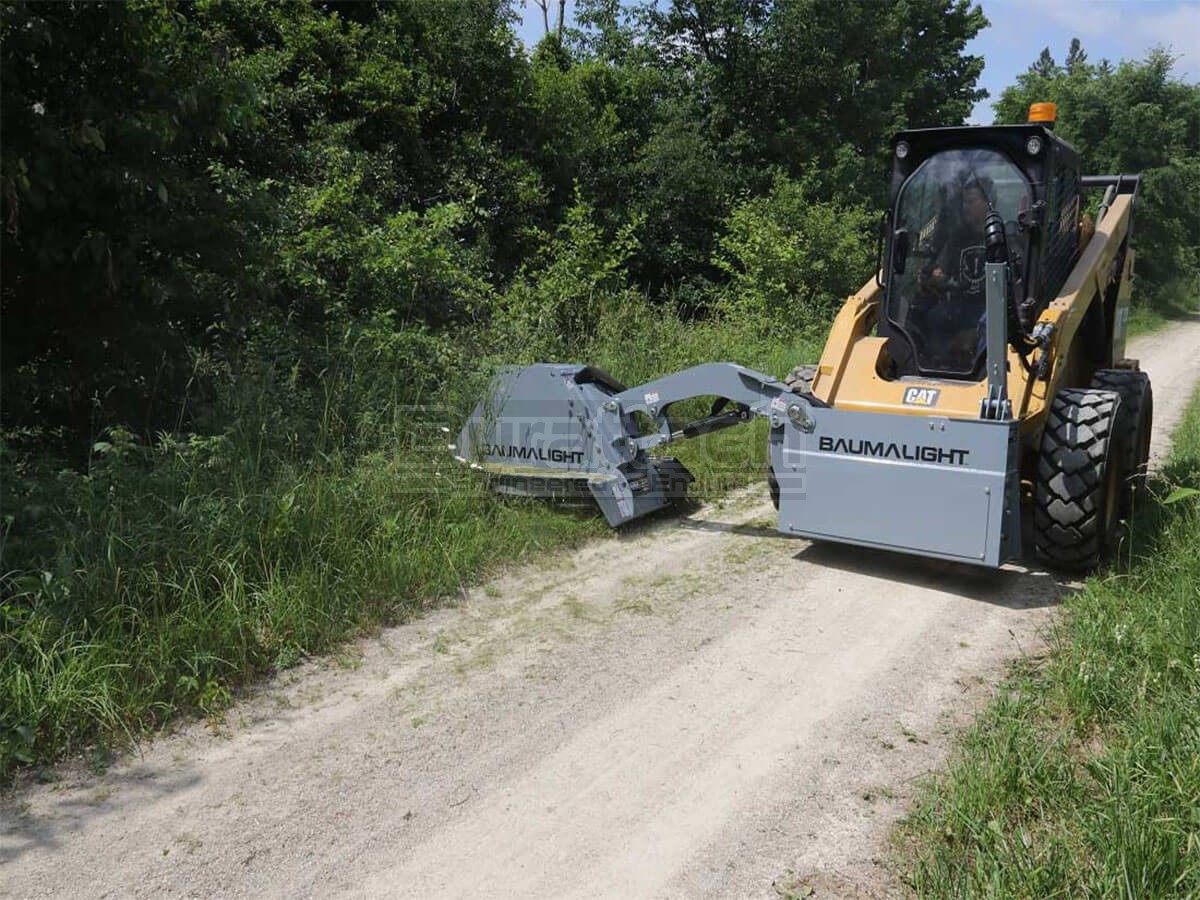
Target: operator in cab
<point>959,264</point>
<point>951,283</point>
<point>936,304</point>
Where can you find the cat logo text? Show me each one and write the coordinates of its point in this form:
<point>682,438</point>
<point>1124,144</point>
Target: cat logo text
<point>918,396</point>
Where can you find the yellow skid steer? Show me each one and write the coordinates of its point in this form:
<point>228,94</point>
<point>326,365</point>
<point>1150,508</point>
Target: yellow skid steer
<point>981,371</point>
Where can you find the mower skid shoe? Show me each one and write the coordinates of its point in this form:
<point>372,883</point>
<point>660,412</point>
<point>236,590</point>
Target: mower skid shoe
<point>543,431</point>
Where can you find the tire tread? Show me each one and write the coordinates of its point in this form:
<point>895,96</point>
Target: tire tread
<point>1069,515</point>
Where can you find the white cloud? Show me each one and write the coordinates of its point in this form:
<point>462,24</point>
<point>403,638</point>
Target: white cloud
<point>1178,28</point>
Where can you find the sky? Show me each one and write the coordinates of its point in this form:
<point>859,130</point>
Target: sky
<point>1112,29</point>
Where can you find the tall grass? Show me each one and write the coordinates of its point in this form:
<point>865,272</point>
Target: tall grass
<point>165,576</point>
<point>1082,778</point>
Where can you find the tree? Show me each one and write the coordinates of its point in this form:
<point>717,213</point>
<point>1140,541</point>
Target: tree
<point>544,5</point>
<point>178,178</point>
<point>766,86</point>
<point>1076,56</point>
<point>126,239</point>
<point>1045,66</point>
<point>792,258</point>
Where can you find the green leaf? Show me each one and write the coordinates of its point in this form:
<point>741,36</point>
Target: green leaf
<point>1181,493</point>
<point>162,192</point>
<point>90,134</point>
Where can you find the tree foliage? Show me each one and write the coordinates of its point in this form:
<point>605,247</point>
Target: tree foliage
<point>1136,117</point>
<point>183,185</point>
<point>792,258</point>
<point>122,241</point>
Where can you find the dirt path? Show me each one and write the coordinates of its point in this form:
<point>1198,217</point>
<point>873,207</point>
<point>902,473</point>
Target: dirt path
<point>697,708</point>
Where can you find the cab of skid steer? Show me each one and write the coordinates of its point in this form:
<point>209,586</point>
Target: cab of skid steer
<point>944,183</point>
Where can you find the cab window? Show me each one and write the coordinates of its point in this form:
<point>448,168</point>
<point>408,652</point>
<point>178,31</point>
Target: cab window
<point>935,298</point>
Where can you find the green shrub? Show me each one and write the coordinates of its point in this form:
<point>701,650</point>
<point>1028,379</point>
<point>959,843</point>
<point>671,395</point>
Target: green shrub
<point>553,307</point>
<point>792,258</point>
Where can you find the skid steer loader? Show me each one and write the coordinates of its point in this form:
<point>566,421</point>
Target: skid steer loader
<point>981,370</point>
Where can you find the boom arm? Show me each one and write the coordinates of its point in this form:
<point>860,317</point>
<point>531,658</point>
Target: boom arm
<point>755,394</point>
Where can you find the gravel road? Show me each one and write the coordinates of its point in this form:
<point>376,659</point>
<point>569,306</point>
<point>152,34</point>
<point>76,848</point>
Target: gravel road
<point>700,707</point>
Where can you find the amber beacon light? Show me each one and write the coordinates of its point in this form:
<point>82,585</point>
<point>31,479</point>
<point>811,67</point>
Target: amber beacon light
<point>1043,112</point>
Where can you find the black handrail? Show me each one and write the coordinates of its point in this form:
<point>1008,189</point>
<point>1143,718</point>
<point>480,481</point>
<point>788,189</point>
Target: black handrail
<point>1125,184</point>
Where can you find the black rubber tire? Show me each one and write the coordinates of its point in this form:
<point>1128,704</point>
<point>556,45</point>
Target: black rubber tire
<point>800,379</point>
<point>1077,491</point>
<point>1135,421</point>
